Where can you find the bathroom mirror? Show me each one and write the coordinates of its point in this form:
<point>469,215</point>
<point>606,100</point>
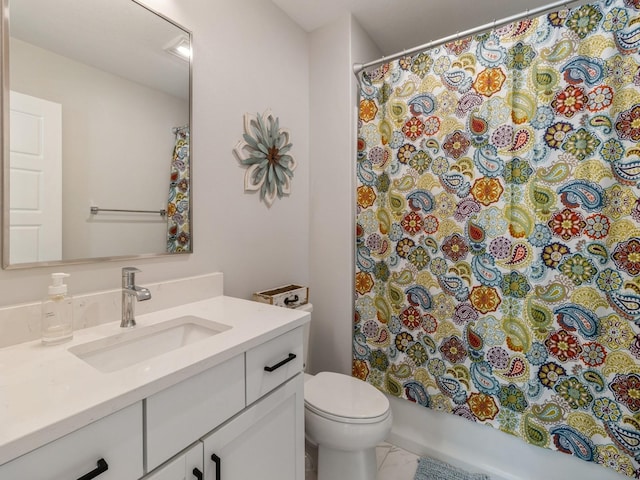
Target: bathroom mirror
<point>96,110</point>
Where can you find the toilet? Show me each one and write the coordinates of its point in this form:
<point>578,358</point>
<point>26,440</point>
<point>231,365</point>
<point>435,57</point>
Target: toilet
<point>346,419</point>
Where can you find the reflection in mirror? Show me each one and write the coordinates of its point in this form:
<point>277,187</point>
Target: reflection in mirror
<point>99,100</point>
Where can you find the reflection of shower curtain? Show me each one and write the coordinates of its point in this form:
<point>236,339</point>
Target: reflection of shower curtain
<point>178,209</point>
<point>498,231</point>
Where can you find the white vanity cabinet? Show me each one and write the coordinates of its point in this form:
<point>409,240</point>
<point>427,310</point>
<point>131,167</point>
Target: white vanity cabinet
<point>266,440</point>
<point>108,449</point>
<point>236,397</point>
<point>248,413</point>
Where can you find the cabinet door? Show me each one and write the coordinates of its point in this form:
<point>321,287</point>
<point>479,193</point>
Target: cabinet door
<point>266,441</point>
<point>108,449</point>
<point>187,466</point>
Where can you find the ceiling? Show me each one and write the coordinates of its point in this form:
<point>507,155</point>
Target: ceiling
<point>397,25</point>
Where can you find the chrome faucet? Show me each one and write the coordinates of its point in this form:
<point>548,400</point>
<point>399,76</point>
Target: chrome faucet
<point>130,293</point>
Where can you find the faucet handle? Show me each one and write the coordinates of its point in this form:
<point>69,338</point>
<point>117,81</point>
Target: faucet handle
<point>129,276</point>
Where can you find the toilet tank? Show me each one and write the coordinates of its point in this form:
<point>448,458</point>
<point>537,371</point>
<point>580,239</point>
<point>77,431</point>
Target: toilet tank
<point>307,307</point>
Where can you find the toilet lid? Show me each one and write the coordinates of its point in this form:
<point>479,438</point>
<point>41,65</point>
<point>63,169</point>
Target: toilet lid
<point>337,395</point>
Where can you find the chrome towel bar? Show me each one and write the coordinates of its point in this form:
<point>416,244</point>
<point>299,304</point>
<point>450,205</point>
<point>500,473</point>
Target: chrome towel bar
<point>96,210</point>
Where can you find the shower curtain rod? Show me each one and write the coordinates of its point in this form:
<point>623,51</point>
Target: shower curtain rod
<point>359,67</point>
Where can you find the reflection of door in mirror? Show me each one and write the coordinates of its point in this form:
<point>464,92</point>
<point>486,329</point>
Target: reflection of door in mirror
<point>35,173</point>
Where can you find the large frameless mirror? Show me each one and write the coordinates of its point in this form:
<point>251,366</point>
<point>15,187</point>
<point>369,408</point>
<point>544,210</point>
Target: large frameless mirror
<point>96,130</point>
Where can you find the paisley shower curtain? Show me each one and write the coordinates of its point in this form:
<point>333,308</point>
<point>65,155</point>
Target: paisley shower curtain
<point>498,231</point>
<point>178,207</point>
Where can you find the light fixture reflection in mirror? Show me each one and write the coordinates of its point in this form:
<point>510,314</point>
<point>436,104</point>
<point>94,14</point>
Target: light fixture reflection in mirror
<point>97,90</point>
<point>181,47</point>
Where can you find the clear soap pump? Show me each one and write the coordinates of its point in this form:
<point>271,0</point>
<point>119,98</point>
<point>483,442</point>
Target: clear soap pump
<point>57,312</point>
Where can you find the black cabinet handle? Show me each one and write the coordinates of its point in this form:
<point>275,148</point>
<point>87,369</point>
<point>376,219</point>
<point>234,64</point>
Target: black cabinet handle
<point>101,467</point>
<point>279,364</point>
<point>216,459</point>
<point>197,473</point>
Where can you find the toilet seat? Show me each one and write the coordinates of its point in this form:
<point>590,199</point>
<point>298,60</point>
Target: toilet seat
<point>345,399</point>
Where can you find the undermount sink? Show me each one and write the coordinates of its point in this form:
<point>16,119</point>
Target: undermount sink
<point>143,343</point>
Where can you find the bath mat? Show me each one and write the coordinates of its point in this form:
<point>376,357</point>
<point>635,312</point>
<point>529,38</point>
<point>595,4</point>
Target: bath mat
<point>432,469</point>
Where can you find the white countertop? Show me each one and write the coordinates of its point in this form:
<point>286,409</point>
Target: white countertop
<point>47,392</point>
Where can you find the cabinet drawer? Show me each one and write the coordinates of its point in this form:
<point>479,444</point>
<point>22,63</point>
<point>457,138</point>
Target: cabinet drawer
<point>283,356</point>
<point>181,414</point>
<point>117,439</point>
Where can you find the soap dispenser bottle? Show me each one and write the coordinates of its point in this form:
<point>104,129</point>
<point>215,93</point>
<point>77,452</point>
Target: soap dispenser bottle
<point>57,312</point>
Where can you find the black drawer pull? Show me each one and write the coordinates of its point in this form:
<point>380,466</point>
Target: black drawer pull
<point>101,467</point>
<point>197,473</point>
<point>218,461</point>
<point>279,364</point>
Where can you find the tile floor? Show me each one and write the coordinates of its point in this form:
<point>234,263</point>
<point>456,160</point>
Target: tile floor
<point>393,464</point>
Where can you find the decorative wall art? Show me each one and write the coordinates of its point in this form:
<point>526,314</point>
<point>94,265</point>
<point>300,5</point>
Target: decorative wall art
<point>265,153</point>
<point>498,231</point>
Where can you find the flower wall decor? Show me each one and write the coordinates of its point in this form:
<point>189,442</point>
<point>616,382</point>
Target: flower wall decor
<point>265,152</point>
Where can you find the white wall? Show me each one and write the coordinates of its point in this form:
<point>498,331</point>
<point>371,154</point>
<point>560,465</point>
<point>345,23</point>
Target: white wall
<point>332,154</point>
<point>104,160</point>
<point>248,57</point>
